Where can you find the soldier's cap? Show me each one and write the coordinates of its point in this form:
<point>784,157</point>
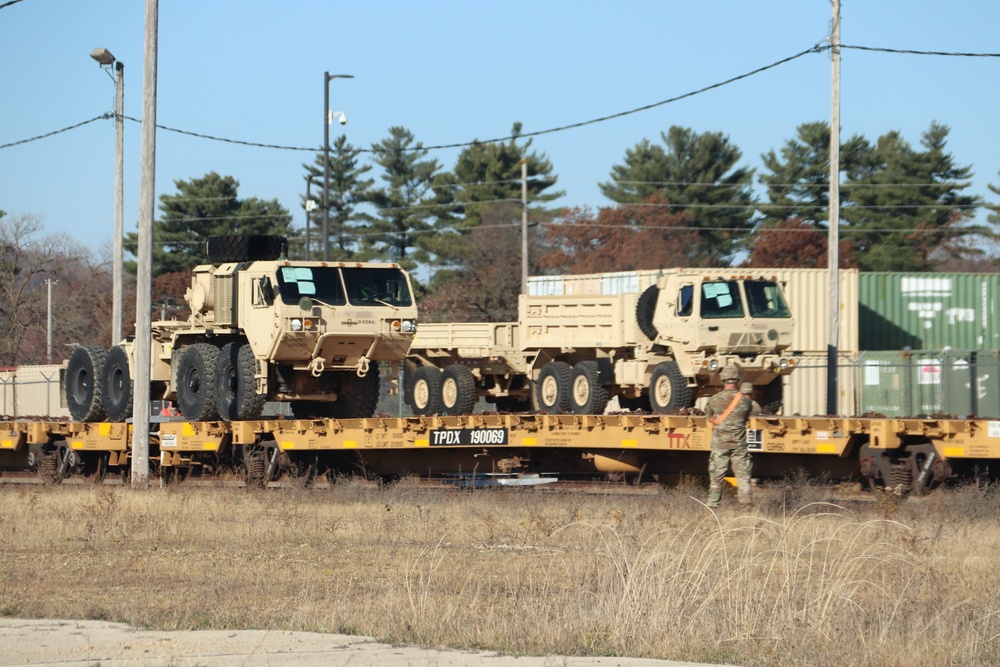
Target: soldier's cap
<point>730,373</point>
<point>746,388</point>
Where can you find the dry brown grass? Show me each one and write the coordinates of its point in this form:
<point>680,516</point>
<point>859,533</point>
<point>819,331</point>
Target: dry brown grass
<point>797,580</point>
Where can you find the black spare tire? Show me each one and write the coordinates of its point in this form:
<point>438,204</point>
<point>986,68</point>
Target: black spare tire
<point>222,249</point>
<point>645,308</point>
<point>84,371</point>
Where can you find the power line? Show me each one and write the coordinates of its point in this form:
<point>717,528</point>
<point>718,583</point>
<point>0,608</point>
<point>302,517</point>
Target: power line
<point>815,49</point>
<point>65,129</point>
<point>921,53</point>
<point>5,6</point>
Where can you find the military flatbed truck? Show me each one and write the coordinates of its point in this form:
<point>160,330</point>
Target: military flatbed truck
<point>659,350</point>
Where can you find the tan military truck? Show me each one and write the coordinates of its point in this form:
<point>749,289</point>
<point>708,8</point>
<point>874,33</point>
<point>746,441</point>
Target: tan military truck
<point>658,350</point>
<point>262,328</point>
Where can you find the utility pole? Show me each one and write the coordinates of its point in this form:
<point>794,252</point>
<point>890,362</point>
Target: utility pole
<point>833,231</point>
<point>524,226</point>
<point>309,208</point>
<point>106,59</point>
<point>144,277</point>
<point>118,269</point>
<point>327,119</point>
<point>48,327</point>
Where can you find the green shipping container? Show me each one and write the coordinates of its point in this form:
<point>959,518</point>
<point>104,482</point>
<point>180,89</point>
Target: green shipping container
<point>958,383</point>
<point>928,311</point>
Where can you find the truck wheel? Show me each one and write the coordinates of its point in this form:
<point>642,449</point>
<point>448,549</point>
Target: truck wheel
<point>458,390</point>
<point>553,388</point>
<point>116,383</point>
<point>645,308</point>
<point>235,386</point>
<point>426,391</point>
<point>196,382</point>
<point>361,400</point>
<point>587,396</point>
<point>668,390</point>
<point>83,383</point>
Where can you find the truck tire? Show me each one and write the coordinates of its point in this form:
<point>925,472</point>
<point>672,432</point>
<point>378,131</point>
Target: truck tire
<point>425,391</point>
<point>458,390</point>
<point>362,399</point>
<point>587,395</point>
<point>553,388</point>
<point>84,370</point>
<point>223,249</point>
<point>116,385</point>
<point>236,394</point>
<point>196,382</point>
<point>668,390</point>
<point>645,308</point>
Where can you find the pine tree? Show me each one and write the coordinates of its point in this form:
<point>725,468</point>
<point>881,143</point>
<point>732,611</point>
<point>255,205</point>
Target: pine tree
<point>906,205</point>
<point>696,174</point>
<point>407,205</point>
<point>204,207</point>
<point>348,189</point>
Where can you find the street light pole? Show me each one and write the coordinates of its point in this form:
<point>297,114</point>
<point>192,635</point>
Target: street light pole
<point>104,58</point>
<point>326,158</point>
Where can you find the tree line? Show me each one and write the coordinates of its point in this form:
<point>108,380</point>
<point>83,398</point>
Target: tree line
<point>685,200</point>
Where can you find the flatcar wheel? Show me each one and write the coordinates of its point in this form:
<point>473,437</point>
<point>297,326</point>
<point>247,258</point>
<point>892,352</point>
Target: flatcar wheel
<point>48,465</point>
<point>254,466</point>
<point>304,472</point>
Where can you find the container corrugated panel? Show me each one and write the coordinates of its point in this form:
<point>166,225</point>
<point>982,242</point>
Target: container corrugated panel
<point>929,311</point>
<point>589,287</point>
<point>546,286</point>
<point>33,391</point>
<point>807,291</point>
<point>804,390</point>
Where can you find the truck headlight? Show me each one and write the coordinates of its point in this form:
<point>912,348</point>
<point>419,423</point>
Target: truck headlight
<point>403,326</point>
<point>296,324</point>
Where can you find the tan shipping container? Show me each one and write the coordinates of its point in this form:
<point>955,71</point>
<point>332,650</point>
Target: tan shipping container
<point>807,291</point>
<point>804,391</point>
<point>33,391</point>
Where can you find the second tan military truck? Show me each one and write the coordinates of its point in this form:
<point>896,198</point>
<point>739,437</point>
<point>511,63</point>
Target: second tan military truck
<point>659,350</point>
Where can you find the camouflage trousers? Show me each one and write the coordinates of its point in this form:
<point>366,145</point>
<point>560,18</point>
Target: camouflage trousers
<point>719,463</point>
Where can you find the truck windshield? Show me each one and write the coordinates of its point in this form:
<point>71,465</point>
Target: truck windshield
<point>320,283</point>
<point>721,300</point>
<point>764,299</point>
<point>377,287</point>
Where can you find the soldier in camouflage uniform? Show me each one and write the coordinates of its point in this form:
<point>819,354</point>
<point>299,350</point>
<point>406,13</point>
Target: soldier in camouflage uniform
<point>728,412</point>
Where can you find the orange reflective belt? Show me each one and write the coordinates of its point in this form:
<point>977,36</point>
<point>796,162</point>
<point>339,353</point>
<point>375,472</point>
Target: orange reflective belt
<point>717,419</point>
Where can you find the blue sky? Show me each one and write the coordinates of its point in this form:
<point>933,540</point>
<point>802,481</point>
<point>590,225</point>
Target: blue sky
<point>455,71</point>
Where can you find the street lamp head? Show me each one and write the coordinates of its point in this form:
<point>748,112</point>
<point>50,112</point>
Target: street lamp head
<point>338,76</point>
<point>103,56</point>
